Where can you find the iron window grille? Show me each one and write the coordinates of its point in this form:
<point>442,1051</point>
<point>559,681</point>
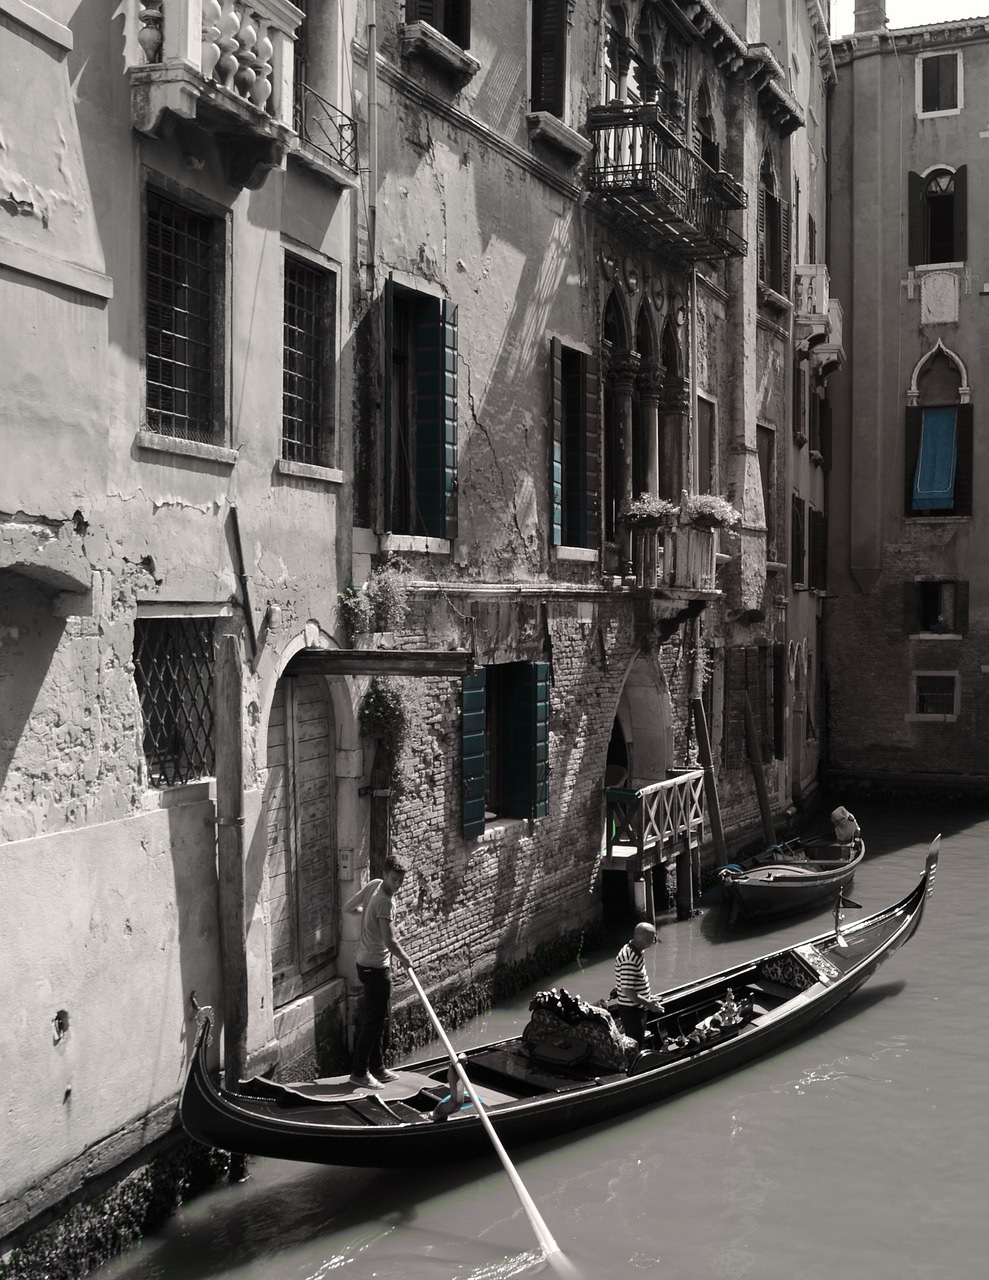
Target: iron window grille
<point>935,695</point>
<point>307,330</point>
<point>173,670</point>
<point>180,281</point>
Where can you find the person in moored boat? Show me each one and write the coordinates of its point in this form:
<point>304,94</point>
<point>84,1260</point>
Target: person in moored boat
<point>634,994</point>
<point>375,903</point>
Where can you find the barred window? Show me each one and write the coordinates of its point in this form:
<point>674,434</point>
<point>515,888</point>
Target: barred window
<point>307,354</point>
<point>180,281</point>
<point>173,670</point>
<point>935,695</point>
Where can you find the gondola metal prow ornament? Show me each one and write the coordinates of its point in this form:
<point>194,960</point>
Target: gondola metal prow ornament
<point>839,915</point>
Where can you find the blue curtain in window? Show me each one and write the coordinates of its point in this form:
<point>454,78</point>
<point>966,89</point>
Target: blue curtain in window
<point>934,479</point>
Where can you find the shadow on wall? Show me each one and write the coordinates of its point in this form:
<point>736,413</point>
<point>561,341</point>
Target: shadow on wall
<point>31,709</point>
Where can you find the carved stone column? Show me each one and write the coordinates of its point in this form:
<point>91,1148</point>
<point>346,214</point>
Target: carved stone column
<point>674,421</point>
<point>650,389</point>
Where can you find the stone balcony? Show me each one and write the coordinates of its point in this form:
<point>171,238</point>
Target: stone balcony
<point>222,68</point>
<point>680,558</point>
<point>817,319</point>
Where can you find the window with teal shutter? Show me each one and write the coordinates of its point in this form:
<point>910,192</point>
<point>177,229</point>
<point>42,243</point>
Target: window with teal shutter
<point>556,441</point>
<point>473,736</point>
<point>420,413</point>
<point>575,448</point>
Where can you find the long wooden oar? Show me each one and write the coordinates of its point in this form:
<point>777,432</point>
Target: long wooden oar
<point>548,1245</point>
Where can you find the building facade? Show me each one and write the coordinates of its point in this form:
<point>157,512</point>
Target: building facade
<point>369,366</point>
<point>906,620</point>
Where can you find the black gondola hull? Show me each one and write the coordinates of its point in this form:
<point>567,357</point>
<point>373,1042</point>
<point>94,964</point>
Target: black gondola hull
<point>325,1125</point>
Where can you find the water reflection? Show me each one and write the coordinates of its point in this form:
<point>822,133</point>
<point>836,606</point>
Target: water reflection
<point>860,1149</point>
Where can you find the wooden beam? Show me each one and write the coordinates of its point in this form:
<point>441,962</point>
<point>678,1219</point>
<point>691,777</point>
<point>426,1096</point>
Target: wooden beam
<point>395,662</point>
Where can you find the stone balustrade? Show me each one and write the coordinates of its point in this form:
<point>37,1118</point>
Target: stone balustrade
<point>226,64</point>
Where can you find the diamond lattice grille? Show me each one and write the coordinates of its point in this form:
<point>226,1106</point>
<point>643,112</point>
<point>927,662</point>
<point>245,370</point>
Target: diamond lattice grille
<point>173,668</point>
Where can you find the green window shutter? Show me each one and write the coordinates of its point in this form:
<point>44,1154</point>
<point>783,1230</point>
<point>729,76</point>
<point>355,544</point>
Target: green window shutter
<point>961,608</point>
<point>911,448</point>
<point>525,748</point>
<point>963,462</point>
<point>915,219</point>
<point>779,701</point>
<point>436,420</point>
<point>797,541</point>
<point>761,233</point>
<point>456,25</point>
<point>540,733</point>
<point>960,211</point>
<point>549,55</point>
<point>449,324</point>
<point>472,741</point>
<point>556,442</point>
<point>911,608</point>
<point>389,416</point>
<point>784,248</point>
<point>591,530</point>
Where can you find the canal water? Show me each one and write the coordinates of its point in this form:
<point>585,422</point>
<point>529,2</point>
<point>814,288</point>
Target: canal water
<point>861,1150</point>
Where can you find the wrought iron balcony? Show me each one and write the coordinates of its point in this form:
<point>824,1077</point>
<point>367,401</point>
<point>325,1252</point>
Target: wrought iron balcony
<point>325,128</point>
<point>225,65</point>
<point>648,825</point>
<point>645,174</point>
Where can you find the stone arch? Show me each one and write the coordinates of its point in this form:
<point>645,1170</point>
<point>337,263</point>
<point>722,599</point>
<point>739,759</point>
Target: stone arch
<point>928,358</point>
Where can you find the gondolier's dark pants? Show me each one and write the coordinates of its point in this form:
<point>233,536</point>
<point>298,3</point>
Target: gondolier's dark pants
<point>373,1019</point>
<point>633,1020</point>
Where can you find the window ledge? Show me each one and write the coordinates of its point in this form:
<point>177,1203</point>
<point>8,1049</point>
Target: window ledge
<point>936,635</point>
<point>310,157</point>
<point>939,266</point>
<point>548,128</point>
<point>308,471</point>
<point>159,443</point>
<point>775,301</point>
<point>586,555</point>
<point>419,39</point>
<point>914,717</point>
<point>495,827</point>
<point>412,542</point>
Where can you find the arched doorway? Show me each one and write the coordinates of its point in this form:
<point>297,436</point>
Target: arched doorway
<point>302,872</point>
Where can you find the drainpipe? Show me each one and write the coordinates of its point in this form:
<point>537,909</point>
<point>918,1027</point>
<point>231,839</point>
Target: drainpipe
<point>228,712</point>
<point>372,140</point>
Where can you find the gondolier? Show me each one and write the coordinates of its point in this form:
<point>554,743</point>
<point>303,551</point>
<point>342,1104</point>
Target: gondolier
<point>374,952</point>
<point>634,995</point>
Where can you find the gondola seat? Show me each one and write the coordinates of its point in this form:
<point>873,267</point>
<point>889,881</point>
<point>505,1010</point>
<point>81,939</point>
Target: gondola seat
<point>567,1033</point>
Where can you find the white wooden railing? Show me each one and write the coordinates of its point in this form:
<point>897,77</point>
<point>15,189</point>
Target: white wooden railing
<point>652,823</point>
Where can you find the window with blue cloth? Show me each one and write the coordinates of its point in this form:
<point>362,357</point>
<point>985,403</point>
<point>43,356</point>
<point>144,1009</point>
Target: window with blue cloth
<point>934,478</point>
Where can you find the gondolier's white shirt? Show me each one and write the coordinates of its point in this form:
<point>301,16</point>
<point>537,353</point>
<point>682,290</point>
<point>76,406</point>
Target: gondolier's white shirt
<point>630,976</point>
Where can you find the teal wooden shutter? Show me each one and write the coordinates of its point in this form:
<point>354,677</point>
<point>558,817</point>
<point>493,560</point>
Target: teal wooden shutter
<point>556,442</point>
<point>549,55</point>
<point>960,212</point>
<point>450,344</point>
<point>456,25</point>
<point>540,680</point>
<point>472,741</point>
<point>961,608</point>
<point>915,219</point>
<point>428,515</point>
<point>389,395</point>
<point>525,745</point>
<point>963,463</point>
<point>591,522</point>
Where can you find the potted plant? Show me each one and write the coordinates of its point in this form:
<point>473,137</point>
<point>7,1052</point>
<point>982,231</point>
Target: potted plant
<point>648,511</point>
<point>709,511</point>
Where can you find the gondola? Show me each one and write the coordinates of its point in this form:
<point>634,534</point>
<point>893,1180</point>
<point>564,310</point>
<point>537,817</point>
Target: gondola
<point>535,1088</point>
<point>795,876</point>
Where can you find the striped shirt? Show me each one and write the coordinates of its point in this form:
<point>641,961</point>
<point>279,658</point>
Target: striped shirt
<point>630,976</point>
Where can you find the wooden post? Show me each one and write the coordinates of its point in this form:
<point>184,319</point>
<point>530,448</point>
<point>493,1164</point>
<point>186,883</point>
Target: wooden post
<point>706,758</point>
<point>228,726</point>
<point>755,760</point>
<point>685,881</point>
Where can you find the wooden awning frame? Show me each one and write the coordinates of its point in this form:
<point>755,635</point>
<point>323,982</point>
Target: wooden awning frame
<point>382,662</point>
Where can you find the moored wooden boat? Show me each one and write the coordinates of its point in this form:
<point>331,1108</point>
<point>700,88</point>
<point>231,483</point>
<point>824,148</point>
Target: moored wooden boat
<point>792,877</point>
<point>537,1091</point>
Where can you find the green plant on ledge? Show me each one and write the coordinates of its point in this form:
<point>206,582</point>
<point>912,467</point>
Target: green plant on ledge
<point>389,711</point>
<point>648,510</point>
<point>380,604</point>
<point>709,511</point>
